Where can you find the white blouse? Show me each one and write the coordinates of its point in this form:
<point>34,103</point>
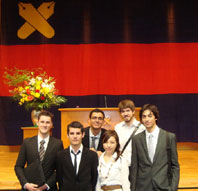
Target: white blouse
<point>113,173</point>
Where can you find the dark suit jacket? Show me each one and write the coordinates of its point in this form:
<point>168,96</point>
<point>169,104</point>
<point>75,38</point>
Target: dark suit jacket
<point>86,178</point>
<point>148,176</point>
<point>29,153</point>
<point>85,140</point>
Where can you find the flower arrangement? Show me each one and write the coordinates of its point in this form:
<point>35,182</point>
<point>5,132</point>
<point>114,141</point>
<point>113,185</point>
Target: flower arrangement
<point>34,89</point>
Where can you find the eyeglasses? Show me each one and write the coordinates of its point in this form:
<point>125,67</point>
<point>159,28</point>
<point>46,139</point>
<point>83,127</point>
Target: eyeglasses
<point>97,118</point>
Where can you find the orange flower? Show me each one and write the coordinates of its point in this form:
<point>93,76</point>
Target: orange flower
<point>37,91</point>
<point>25,83</point>
<point>28,91</point>
<point>30,98</point>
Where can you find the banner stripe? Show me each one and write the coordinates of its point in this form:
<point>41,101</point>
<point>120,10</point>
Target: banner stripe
<point>110,68</point>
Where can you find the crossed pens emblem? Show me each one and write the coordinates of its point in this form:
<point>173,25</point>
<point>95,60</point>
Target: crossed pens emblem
<point>36,19</point>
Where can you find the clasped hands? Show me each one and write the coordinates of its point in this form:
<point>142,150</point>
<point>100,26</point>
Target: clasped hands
<point>34,187</point>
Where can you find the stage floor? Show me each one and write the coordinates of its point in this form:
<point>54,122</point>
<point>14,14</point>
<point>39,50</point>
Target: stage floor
<point>188,159</point>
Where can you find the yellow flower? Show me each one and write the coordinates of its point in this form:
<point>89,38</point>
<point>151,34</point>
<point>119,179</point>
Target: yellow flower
<point>38,87</point>
<point>20,89</point>
<point>50,96</point>
<point>26,98</point>
<point>37,95</point>
<point>38,83</point>
<point>22,101</point>
<point>23,95</point>
<point>45,91</point>
<point>27,87</point>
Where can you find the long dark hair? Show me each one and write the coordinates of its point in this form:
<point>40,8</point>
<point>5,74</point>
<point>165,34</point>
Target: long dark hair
<point>107,135</point>
<point>153,109</point>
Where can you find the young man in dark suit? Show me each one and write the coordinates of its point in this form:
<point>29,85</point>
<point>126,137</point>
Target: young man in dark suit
<point>94,133</point>
<point>155,164</point>
<point>76,165</point>
<point>44,148</point>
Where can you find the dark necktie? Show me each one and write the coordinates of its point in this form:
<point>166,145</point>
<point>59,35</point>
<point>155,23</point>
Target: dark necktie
<point>75,160</point>
<point>42,150</point>
<point>93,142</point>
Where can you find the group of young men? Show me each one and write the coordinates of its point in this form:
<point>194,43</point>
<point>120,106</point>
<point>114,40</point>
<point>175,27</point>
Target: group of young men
<point>150,151</point>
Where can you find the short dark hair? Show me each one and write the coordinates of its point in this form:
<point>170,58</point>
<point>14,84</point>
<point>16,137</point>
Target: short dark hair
<point>96,111</point>
<point>152,108</point>
<point>112,133</point>
<point>126,104</point>
<point>75,124</point>
<point>45,113</point>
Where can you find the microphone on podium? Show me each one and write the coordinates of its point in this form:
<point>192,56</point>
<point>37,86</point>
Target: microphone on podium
<point>105,101</point>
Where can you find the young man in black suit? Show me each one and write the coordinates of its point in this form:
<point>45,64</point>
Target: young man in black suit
<point>44,148</point>
<point>155,164</point>
<point>94,133</point>
<point>76,165</point>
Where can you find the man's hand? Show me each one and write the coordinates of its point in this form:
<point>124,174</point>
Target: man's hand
<point>41,188</point>
<point>99,153</point>
<point>92,149</point>
<point>31,187</point>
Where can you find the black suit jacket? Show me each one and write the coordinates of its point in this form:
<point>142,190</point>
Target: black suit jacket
<point>29,153</point>
<point>86,178</point>
<point>149,176</point>
<point>85,140</point>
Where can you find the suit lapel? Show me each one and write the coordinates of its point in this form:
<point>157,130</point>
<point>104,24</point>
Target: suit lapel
<point>35,147</point>
<point>100,140</point>
<point>144,144</point>
<point>69,161</point>
<point>49,146</point>
<point>88,137</point>
<point>160,141</point>
<point>83,160</point>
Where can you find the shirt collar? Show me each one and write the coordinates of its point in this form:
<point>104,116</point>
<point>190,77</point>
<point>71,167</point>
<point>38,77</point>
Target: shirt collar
<point>92,135</point>
<point>114,156</point>
<point>46,139</point>
<point>134,124</point>
<point>80,149</point>
<point>154,133</point>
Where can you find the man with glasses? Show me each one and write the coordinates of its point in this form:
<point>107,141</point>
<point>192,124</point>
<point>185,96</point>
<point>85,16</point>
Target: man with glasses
<point>94,133</point>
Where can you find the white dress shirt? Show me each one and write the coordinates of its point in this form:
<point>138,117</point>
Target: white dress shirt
<point>113,173</point>
<point>155,134</point>
<point>78,157</point>
<point>124,132</point>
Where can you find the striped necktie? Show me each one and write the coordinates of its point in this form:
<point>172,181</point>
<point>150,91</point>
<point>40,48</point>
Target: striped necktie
<point>42,150</point>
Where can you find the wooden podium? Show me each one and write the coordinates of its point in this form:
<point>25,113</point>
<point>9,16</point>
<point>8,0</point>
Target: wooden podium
<point>31,131</point>
<point>112,117</point>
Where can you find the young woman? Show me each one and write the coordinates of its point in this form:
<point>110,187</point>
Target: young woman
<point>112,169</point>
